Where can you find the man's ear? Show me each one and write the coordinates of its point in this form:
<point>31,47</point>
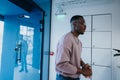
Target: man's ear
<point>74,23</point>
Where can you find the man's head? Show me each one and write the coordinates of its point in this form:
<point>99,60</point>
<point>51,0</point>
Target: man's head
<point>78,24</point>
<point>20,37</point>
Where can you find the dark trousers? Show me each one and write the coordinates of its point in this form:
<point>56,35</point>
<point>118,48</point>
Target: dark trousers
<point>60,77</point>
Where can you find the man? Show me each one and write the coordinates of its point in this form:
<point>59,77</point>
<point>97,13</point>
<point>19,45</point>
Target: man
<point>24,51</point>
<point>69,64</point>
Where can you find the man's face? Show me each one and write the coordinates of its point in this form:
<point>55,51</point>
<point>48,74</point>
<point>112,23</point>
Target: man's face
<point>80,26</point>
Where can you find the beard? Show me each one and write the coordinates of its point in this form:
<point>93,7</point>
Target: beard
<point>80,32</point>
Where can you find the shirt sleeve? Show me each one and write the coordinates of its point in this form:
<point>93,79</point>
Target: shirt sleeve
<point>63,57</point>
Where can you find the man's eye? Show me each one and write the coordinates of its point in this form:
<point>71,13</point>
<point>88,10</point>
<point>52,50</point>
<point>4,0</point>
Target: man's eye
<point>83,24</point>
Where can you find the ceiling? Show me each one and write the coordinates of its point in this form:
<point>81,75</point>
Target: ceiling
<point>8,8</point>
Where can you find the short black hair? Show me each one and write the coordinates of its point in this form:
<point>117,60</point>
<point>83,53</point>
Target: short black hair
<point>76,17</point>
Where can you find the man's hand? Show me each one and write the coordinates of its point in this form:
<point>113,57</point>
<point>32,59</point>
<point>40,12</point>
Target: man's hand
<point>87,71</point>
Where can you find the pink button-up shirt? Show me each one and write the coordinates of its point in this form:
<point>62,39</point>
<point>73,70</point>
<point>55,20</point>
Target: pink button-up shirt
<point>68,56</point>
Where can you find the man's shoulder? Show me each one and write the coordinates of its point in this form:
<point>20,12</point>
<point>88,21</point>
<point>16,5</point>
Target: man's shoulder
<point>68,35</point>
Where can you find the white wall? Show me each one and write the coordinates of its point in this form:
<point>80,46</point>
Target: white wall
<point>61,26</point>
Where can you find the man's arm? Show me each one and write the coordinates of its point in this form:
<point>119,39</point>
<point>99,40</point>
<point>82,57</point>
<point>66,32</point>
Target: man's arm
<point>82,63</point>
<point>86,69</point>
<point>79,71</point>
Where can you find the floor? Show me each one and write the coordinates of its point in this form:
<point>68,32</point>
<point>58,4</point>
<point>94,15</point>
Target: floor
<point>32,74</point>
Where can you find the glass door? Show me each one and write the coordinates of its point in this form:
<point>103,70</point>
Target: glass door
<point>27,62</point>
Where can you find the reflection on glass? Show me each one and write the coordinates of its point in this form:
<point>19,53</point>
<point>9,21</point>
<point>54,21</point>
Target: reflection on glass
<point>25,68</point>
<point>28,33</point>
<point>22,44</point>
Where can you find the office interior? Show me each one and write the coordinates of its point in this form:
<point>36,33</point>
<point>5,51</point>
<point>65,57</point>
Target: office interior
<point>43,22</point>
